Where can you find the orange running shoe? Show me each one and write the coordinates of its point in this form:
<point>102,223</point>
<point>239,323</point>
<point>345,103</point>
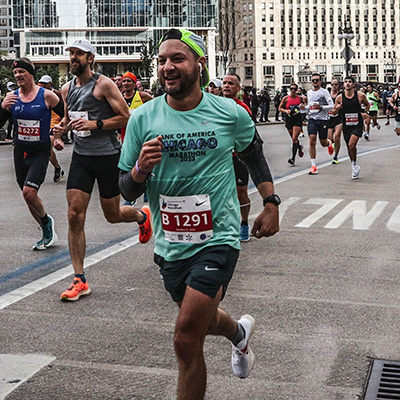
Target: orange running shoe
<point>313,171</point>
<point>145,229</point>
<point>76,290</point>
<point>330,148</point>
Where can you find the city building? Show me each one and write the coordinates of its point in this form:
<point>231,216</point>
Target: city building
<point>117,28</point>
<point>6,36</point>
<point>280,38</point>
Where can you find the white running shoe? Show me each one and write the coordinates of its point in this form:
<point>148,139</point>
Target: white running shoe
<point>355,171</point>
<point>242,357</point>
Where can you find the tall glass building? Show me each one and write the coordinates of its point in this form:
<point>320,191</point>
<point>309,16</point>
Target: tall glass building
<point>117,28</point>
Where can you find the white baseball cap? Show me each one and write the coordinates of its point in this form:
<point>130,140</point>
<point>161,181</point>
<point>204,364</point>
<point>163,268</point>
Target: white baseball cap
<point>45,79</point>
<point>82,44</point>
<point>217,82</point>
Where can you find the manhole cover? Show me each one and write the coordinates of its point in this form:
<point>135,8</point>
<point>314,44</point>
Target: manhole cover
<point>384,381</point>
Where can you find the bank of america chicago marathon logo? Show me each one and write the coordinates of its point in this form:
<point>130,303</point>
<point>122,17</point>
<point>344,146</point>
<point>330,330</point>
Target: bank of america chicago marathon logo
<point>189,146</point>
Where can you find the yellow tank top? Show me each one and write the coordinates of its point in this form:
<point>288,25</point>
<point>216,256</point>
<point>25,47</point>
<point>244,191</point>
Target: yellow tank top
<point>136,101</point>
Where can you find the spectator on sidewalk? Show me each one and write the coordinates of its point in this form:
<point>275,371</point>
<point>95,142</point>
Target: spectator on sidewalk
<point>277,102</point>
<point>265,101</point>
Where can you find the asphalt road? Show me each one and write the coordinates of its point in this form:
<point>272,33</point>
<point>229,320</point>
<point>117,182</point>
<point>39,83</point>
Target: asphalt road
<point>324,291</point>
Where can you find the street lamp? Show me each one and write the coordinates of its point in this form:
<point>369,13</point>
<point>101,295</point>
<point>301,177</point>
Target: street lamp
<point>347,34</point>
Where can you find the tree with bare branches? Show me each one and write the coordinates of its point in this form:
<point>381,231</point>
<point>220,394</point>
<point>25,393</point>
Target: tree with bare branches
<point>229,34</point>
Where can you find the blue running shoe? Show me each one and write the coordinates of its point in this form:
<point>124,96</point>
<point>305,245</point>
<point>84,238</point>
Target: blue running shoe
<point>244,233</point>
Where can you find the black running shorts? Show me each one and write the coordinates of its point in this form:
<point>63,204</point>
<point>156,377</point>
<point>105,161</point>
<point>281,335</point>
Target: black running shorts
<point>294,120</point>
<point>85,170</point>
<point>31,166</point>
<point>318,126</point>
<point>349,132</point>
<point>206,271</point>
<point>334,121</point>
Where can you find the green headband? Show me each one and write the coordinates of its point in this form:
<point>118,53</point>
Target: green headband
<point>194,42</point>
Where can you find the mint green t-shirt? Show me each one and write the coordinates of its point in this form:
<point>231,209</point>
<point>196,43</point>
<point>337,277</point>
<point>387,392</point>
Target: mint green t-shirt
<point>192,194</point>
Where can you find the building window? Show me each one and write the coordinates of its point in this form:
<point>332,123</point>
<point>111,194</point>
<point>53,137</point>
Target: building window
<point>337,69</point>
<point>372,69</point>
<point>248,72</point>
<point>269,70</point>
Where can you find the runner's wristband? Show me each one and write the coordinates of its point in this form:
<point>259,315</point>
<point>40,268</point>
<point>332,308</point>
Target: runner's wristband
<point>138,170</point>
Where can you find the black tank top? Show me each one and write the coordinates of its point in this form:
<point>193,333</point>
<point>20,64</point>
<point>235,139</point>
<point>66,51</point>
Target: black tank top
<point>351,113</point>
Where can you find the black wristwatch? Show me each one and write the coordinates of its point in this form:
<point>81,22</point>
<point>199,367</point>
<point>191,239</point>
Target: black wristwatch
<point>273,198</point>
<point>99,124</point>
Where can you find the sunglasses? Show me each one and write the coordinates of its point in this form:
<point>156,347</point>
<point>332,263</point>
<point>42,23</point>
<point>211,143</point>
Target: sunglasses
<point>334,84</point>
<point>293,88</point>
<point>127,81</point>
<point>315,80</point>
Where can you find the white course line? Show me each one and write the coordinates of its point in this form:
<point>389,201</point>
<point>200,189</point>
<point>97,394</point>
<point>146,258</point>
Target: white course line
<point>48,280</point>
<point>15,369</point>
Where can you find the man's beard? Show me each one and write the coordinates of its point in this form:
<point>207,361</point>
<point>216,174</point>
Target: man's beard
<point>78,69</point>
<point>184,86</point>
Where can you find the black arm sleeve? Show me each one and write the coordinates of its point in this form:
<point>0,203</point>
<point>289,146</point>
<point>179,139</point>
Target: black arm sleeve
<point>4,115</point>
<point>130,190</point>
<point>253,157</point>
<point>59,109</point>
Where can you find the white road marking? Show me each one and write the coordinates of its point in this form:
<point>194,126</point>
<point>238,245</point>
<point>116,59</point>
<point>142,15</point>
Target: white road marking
<point>326,206</point>
<point>15,369</point>
<point>48,280</point>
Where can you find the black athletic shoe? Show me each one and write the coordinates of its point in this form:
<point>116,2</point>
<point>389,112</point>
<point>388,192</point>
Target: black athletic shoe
<point>291,162</point>
<point>58,174</point>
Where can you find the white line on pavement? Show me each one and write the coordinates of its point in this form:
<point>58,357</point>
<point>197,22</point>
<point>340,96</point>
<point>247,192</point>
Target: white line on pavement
<point>48,280</point>
<point>15,369</point>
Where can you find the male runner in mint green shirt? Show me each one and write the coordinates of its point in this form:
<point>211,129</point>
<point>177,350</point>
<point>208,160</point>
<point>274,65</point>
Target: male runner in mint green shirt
<point>196,160</point>
<point>179,147</point>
